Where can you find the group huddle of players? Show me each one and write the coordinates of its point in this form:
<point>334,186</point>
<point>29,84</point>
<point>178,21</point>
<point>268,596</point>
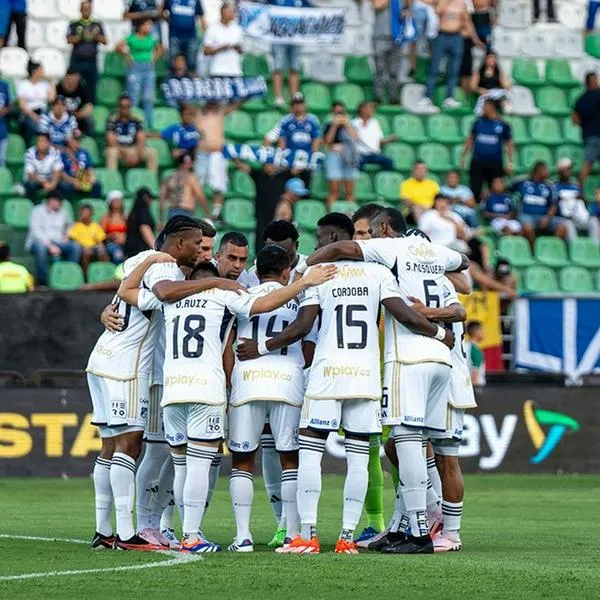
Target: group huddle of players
<point>199,352</point>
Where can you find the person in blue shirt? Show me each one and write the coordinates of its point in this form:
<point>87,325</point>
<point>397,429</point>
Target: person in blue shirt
<point>78,175</point>
<point>537,204</point>
<point>18,18</point>
<point>499,210</point>
<point>58,123</point>
<point>5,109</point>
<point>183,17</point>
<point>183,137</point>
<point>489,136</point>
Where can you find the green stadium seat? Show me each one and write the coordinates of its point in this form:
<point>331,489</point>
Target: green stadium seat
<point>69,210</point>
<point>139,178</point>
<point>15,152</point>
<point>519,129</point>
<point>466,125</point>
<point>90,144</point>
<point>243,185</point>
<point>574,94</point>
<point>571,132</point>
<point>108,91</point>
<point>551,100</point>
<point>540,280</point>
<point>592,45</point>
<point>409,128</point>
<point>265,121</point>
<point>532,153</point>
<point>255,65</point>
<point>162,66</point>
<point>388,109</point>
<point>558,72</point>
<point>585,253</point>
<point>239,214</point>
<point>16,212</point>
<point>364,188</point>
<point>239,126</point>
<point>308,212</point>
<point>100,115</point>
<point>164,117</point>
<point>402,154</point>
<point>575,280</point>
<point>317,96</point>
<point>357,69</point>
<point>165,160</point>
<point>444,129</point>
<point>573,151</point>
<point>344,207</point>
<point>436,157</point>
<point>306,242</point>
<point>551,251</point>
<point>351,94</point>
<point>65,276</point>
<point>115,65</point>
<point>6,183</point>
<point>318,185</point>
<point>384,121</point>
<point>98,206</point>
<point>545,130</point>
<point>516,250</point>
<point>27,261</point>
<point>110,180</point>
<point>101,271</point>
<point>525,72</point>
<point>387,185</point>
<point>592,183</point>
<point>490,242</point>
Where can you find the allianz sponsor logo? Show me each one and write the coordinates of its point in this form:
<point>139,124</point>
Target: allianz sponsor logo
<point>345,371</point>
<point>271,374</point>
<point>333,424</point>
<point>188,380</point>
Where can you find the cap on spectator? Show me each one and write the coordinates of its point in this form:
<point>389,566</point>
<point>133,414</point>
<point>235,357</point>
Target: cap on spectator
<point>297,98</point>
<point>296,186</point>
<point>113,195</point>
<point>564,163</point>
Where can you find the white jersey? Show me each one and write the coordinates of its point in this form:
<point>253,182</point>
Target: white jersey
<point>158,357</point>
<point>277,376</point>
<point>346,362</point>
<point>419,267</point>
<point>126,354</point>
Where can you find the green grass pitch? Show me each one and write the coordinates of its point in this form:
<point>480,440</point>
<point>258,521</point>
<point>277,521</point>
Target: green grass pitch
<point>525,537</point>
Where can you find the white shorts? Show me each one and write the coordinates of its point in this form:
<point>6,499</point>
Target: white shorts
<point>454,427</point>
<point>193,422</point>
<point>211,169</point>
<point>416,395</point>
<point>155,429</point>
<point>499,224</point>
<point>353,416</point>
<point>119,404</point>
<point>246,424</point>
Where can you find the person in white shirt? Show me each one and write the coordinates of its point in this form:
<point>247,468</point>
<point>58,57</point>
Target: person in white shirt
<point>441,224</point>
<point>371,138</point>
<point>43,167</point>
<point>223,43</point>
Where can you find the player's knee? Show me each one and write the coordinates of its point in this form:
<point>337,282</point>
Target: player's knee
<point>130,444</point>
<point>313,433</point>
<point>358,436</point>
<point>390,451</point>
<point>243,461</point>
<point>108,448</point>
<point>289,460</point>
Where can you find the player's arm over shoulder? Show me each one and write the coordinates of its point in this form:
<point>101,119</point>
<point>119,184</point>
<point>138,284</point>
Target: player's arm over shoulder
<point>454,261</point>
<point>129,290</point>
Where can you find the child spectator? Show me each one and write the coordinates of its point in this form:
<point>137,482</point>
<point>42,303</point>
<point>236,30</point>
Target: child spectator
<point>499,210</point>
<point>78,171</point>
<point>58,124</point>
<point>90,236</point>
<point>475,354</point>
<point>114,224</point>
<point>14,278</point>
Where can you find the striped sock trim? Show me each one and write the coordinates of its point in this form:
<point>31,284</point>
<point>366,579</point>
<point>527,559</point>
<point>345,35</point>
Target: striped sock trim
<point>429,484</point>
<point>204,453</point>
<point>267,441</point>
<point>452,509</point>
<point>103,462</point>
<point>289,475</point>
<point>431,463</point>
<point>216,461</point>
<point>178,460</point>
<point>312,443</point>
<point>408,437</point>
<point>122,460</point>
<point>424,442</point>
<point>356,447</point>
<point>237,474</point>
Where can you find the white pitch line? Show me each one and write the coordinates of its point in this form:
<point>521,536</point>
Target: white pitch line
<point>178,559</point>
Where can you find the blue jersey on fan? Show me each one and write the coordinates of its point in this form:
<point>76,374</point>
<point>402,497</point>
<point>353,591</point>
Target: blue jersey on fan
<point>300,133</point>
<point>567,194</point>
<point>184,137</point>
<point>537,197</point>
<point>5,100</point>
<point>59,130</point>
<point>500,204</point>
<point>182,17</point>
<point>82,161</point>
<point>488,136</point>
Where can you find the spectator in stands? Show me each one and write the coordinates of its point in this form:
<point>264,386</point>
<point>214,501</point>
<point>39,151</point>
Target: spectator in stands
<point>586,114</point>
<point>114,224</point>
<point>483,275</point>
<point>47,236</point>
<point>449,43</point>
<point>179,71</point>
<point>43,168</point>
<point>138,10</point>
<point>538,205</point>
<point>388,55</point>
<point>125,140</point>
<point>572,210</point>
<point>140,224</point>
<point>362,220</point>
<point>595,218</point>
<point>480,15</point>
<point>550,12</point>
<point>141,50</point>
<point>490,82</point>
<point>371,138</point>
<point>489,135</point>
<point>183,137</point>
<point>78,176</point>
<point>183,18</point>
<point>343,157</point>
<point>181,192</point>
<point>78,100</point>
<point>499,210</point>
<point>5,110</point>
<point>90,237</point>
<point>58,124</point>
<point>223,43</point>
<point>593,6</point>
<point>18,18</point>
<point>14,278</point>
<point>463,201</point>
<point>294,191</point>
<point>440,223</point>
<point>34,94</point>
<point>417,192</point>
<point>85,35</point>
<point>475,354</point>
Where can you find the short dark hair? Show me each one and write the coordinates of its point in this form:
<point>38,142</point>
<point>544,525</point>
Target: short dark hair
<point>32,66</point>
<point>4,251</point>
<point>278,231</point>
<point>338,221</point>
<point>43,135</point>
<point>234,237</point>
<point>362,105</point>
<point>366,211</point>
<point>124,96</point>
<point>538,164</point>
<point>589,76</point>
<point>72,71</point>
<point>395,219</point>
<point>473,326</point>
<point>271,260</point>
<point>86,206</point>
<point>440,197</point>
<point>338,103</point>
<point>207,228</point>
<point>205,267</point>
<point>419,162</point>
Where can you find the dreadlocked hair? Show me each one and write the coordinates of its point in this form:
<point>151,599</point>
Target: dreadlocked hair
<point>176,224</point>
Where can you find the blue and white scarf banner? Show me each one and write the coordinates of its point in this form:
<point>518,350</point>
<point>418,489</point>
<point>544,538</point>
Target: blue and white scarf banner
<point>558,335</point>
<point>269,155</point>
<point>214,89</point>
<point>290,25</point>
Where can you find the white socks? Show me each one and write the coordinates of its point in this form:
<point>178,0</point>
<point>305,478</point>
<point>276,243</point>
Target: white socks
<point>122,482</point>
<point>309,483</point>
<point>434,475</point>
<point>213,477</point>
<point>146,482</point>
<point>241,490</point>
<point>271,469</point>
<point>179,466</point>
<point>355,487</point>
<point>452,512</point>
<point>162,510</point>
<point>103,496</point>
<point>195,489</point>
<point>289,497</point>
